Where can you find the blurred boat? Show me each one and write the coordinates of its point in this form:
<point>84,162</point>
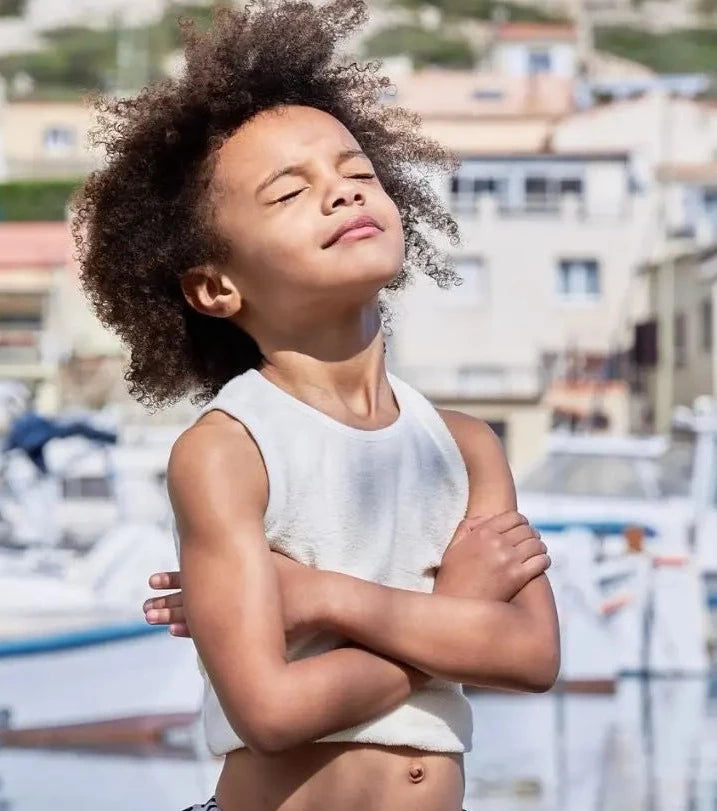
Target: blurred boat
<point>74,645</point>
<point>630,523</point>
<point>89,488</point>
<point>633,612</point>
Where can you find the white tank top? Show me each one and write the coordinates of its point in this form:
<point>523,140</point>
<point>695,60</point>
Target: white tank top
<point>381,505</point>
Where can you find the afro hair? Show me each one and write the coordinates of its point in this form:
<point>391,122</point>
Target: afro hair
<point>145,217</point>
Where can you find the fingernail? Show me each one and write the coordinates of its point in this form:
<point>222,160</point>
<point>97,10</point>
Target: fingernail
<point>152,615</point>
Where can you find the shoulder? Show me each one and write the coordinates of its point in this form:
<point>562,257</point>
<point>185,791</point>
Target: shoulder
<point>492,489</point>
<point>213,458</point>
<point>474,436</point>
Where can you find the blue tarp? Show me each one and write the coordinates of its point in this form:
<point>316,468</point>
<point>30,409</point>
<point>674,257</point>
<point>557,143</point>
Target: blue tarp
<point>30,432</point>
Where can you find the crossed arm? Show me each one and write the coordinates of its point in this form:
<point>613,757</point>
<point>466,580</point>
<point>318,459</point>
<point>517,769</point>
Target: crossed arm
<point>411,635</point>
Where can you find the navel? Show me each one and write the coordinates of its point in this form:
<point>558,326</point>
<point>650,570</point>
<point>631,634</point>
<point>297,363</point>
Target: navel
<point>416,772</point>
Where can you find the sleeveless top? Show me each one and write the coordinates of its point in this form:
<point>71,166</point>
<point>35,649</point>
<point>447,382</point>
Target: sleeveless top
<point>379,504</point>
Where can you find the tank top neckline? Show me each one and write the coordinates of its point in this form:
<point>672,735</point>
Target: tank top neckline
<point>370,434</point>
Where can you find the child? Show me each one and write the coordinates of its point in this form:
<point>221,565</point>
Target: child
<point>240,239</point>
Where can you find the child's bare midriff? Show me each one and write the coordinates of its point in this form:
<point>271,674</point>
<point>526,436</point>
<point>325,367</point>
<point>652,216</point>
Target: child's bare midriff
<point>342,777</point>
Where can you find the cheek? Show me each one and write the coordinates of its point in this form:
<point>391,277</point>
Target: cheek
<point>285,252</point>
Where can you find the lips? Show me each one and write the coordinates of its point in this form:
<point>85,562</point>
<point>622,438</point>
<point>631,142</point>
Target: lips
<point>360,221</point>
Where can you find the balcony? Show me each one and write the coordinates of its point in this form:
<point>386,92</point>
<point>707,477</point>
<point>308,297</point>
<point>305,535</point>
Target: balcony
<point>564,208</point>
<point>22,353</point>
<point>475,382</point>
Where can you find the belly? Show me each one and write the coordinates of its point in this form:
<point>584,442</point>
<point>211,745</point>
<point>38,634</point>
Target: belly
<point>345,776</point>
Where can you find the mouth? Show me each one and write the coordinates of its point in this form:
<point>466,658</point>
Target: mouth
<point>354,229</point>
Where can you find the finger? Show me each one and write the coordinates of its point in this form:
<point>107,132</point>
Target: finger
<point>168,601</point>
<point>505,521</point>
<point>536,565</point>
<point>519,534</point>
<point>530,548</point>
<point>179,629</point>
<point>165,580</point>
<point>164,616</point>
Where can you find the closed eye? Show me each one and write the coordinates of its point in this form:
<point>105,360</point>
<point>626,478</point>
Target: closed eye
<point>293,194</point>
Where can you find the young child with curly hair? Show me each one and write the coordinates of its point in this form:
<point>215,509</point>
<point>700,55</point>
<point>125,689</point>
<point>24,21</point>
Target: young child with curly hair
<point>350,556</point>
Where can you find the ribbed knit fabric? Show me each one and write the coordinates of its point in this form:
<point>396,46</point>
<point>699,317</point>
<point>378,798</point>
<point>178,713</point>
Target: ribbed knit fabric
<point>380,504</point>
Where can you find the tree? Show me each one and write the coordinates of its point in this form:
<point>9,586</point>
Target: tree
<point>12,8</point>
<point>424,47</point>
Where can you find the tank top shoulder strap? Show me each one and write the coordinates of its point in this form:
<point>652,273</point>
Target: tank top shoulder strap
<point>427,415</point>
<point>245,400</point>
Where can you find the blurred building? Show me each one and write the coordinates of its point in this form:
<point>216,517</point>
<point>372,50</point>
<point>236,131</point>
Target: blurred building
<point>529,49</point>
<point>41,139</point>
<point>33,259</point>
<point>660,15</point>
<point>559,208</point>
<point>674,345</point>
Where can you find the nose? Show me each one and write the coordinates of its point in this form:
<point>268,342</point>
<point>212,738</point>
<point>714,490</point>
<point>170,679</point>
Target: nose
<point>346,191</point>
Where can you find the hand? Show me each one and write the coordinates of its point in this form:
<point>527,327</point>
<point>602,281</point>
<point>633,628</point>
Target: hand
<point>491,558</point>
<point>300,592</point>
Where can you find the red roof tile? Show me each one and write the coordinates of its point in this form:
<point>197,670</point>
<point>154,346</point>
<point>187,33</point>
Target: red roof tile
<point>28,245</point>
<point>542,31</point>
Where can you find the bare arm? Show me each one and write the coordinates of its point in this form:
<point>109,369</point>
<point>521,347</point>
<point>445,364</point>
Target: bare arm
<point>474,641</point>
<point>492,491</point>
<point>218,488</point>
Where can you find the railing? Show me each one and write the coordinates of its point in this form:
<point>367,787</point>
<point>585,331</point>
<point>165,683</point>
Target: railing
<point>479,381</point>
<point>21,346</point>
<point>556,207</point>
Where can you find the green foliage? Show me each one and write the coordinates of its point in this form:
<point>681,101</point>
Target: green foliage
<point>12,8</point>
<point>424,47</point>
<point>86,59</point>
<point>202,15</point>
<point>682,51</point>
<point>35,200</point>
<point>76,57</point>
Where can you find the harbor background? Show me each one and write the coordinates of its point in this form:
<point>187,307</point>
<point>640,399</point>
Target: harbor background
<point>583,333</point>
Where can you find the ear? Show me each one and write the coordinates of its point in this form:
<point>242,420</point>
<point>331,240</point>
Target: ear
<point>211,292</point>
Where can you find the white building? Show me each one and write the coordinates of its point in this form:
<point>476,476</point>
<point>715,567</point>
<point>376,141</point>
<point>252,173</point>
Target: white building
<point>525,49</point>
<point>552,240</point>
<point>659,15</point>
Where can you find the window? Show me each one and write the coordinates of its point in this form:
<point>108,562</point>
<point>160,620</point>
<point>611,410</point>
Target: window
<point>706,319</point>
<point>541,194</point>
<point>539,61</point>
<point>488,94</point>
<point>680,339</point>
<point>578,279</point>
<point>571,185</point>
<point>57,140</point>
<point>500,429</point>
<point>466,190</point>
<point>474,290</point>
<point>463,199</point>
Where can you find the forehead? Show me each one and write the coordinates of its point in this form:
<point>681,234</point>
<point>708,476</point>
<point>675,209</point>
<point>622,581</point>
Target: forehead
<point>276,138</point>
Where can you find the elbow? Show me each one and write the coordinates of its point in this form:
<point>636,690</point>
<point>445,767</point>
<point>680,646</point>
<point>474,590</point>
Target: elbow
<point>267,737</point>
<point>262,730</point>
<point>543,666</point>
<point>270,730</point>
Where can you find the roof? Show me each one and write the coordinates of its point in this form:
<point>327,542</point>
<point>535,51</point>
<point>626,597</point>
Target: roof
<point>697,255</point>
<point>516,32</point>
<point>34,245</point>
<point>465,94</point>
<point>698,173</point>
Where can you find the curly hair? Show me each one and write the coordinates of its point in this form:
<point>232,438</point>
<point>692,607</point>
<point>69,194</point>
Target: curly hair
<point>146,216</point>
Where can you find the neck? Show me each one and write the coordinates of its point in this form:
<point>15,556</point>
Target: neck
<point>339,361</point>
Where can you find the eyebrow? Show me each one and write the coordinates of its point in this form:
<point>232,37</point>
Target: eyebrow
<point>345,154</point>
